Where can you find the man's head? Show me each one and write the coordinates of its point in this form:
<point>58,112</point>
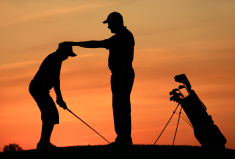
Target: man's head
<point>115,22</point>
<point>65,51</point>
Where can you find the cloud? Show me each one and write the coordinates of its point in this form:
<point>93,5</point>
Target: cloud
<point>57,11</point>
<point>17,65</point>
<point>14,71</point>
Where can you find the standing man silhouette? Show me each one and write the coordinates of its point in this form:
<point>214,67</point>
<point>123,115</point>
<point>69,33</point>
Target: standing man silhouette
<point>121,52</point>
<point>48,77</point>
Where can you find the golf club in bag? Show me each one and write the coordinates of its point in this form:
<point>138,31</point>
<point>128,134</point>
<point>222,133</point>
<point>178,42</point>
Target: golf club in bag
<point>205,131</point>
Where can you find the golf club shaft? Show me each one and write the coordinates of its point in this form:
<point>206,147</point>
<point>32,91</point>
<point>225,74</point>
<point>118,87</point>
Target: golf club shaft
<point>88,125</point>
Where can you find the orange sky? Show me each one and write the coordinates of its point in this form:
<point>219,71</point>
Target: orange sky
<point>172,37</point>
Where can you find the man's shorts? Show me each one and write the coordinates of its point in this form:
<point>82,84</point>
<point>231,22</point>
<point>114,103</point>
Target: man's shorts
<point>49,112</point>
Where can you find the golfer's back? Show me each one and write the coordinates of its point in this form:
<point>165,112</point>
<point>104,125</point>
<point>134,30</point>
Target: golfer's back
<point>48,73</point>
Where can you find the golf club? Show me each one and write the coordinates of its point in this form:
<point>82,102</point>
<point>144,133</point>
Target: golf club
<point>176,91</point>
<point>181,86</point>
<point>88,125</point>
<point>183,79</point>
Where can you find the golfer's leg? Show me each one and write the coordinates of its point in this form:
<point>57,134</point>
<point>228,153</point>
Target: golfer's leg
<point>49,116</point>
<point>122,119</point>
<point>46,132</point>
<point>121,111</point>
<point>115,103</point>
<point>124,108</point>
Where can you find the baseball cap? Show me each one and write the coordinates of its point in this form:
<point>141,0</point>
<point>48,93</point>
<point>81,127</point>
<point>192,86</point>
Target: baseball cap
<point>114,17</point>
<point>66,49</point>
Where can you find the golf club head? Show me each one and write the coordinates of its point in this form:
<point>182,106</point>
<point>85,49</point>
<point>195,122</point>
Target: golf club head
<point>183,90</point>
<point>176,94</point>
<point>176,98</point>
<point>174,91</point>
<point>181,86</point>
<point>183,79</point>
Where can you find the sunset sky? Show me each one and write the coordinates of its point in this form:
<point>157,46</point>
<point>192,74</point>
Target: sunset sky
<point>195,37</point>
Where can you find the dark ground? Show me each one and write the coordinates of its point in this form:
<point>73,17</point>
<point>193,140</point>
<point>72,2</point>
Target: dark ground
<point>113,152</point>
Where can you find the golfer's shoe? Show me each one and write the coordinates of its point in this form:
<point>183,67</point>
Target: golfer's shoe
<point>121,142</point>
<point>45,146</point>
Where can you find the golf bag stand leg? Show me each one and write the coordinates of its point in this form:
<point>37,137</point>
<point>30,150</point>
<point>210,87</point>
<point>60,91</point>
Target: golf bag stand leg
<point>177,125</point>
<point>166,124</point>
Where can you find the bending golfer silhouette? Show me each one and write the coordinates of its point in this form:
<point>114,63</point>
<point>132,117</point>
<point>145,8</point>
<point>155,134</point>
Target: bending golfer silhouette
<point>48,77</point>
<point>121,51</point>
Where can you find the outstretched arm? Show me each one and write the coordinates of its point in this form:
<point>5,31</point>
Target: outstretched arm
<point>86,44</point>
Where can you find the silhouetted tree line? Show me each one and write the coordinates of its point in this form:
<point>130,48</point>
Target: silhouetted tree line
<point>11,148</point>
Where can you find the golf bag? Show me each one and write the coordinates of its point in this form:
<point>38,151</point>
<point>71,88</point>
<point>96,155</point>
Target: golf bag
<point>205,131</point>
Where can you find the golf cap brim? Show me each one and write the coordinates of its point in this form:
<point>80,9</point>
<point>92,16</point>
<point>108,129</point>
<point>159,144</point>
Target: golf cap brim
<point>67,49</point>
<point>72,54</point>
<point>106,21</point>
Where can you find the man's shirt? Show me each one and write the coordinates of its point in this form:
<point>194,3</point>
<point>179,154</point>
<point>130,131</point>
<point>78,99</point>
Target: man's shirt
<point>48,74</point>
<point>121,51</point>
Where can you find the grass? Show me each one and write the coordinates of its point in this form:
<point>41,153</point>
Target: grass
<point>122,152</point>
